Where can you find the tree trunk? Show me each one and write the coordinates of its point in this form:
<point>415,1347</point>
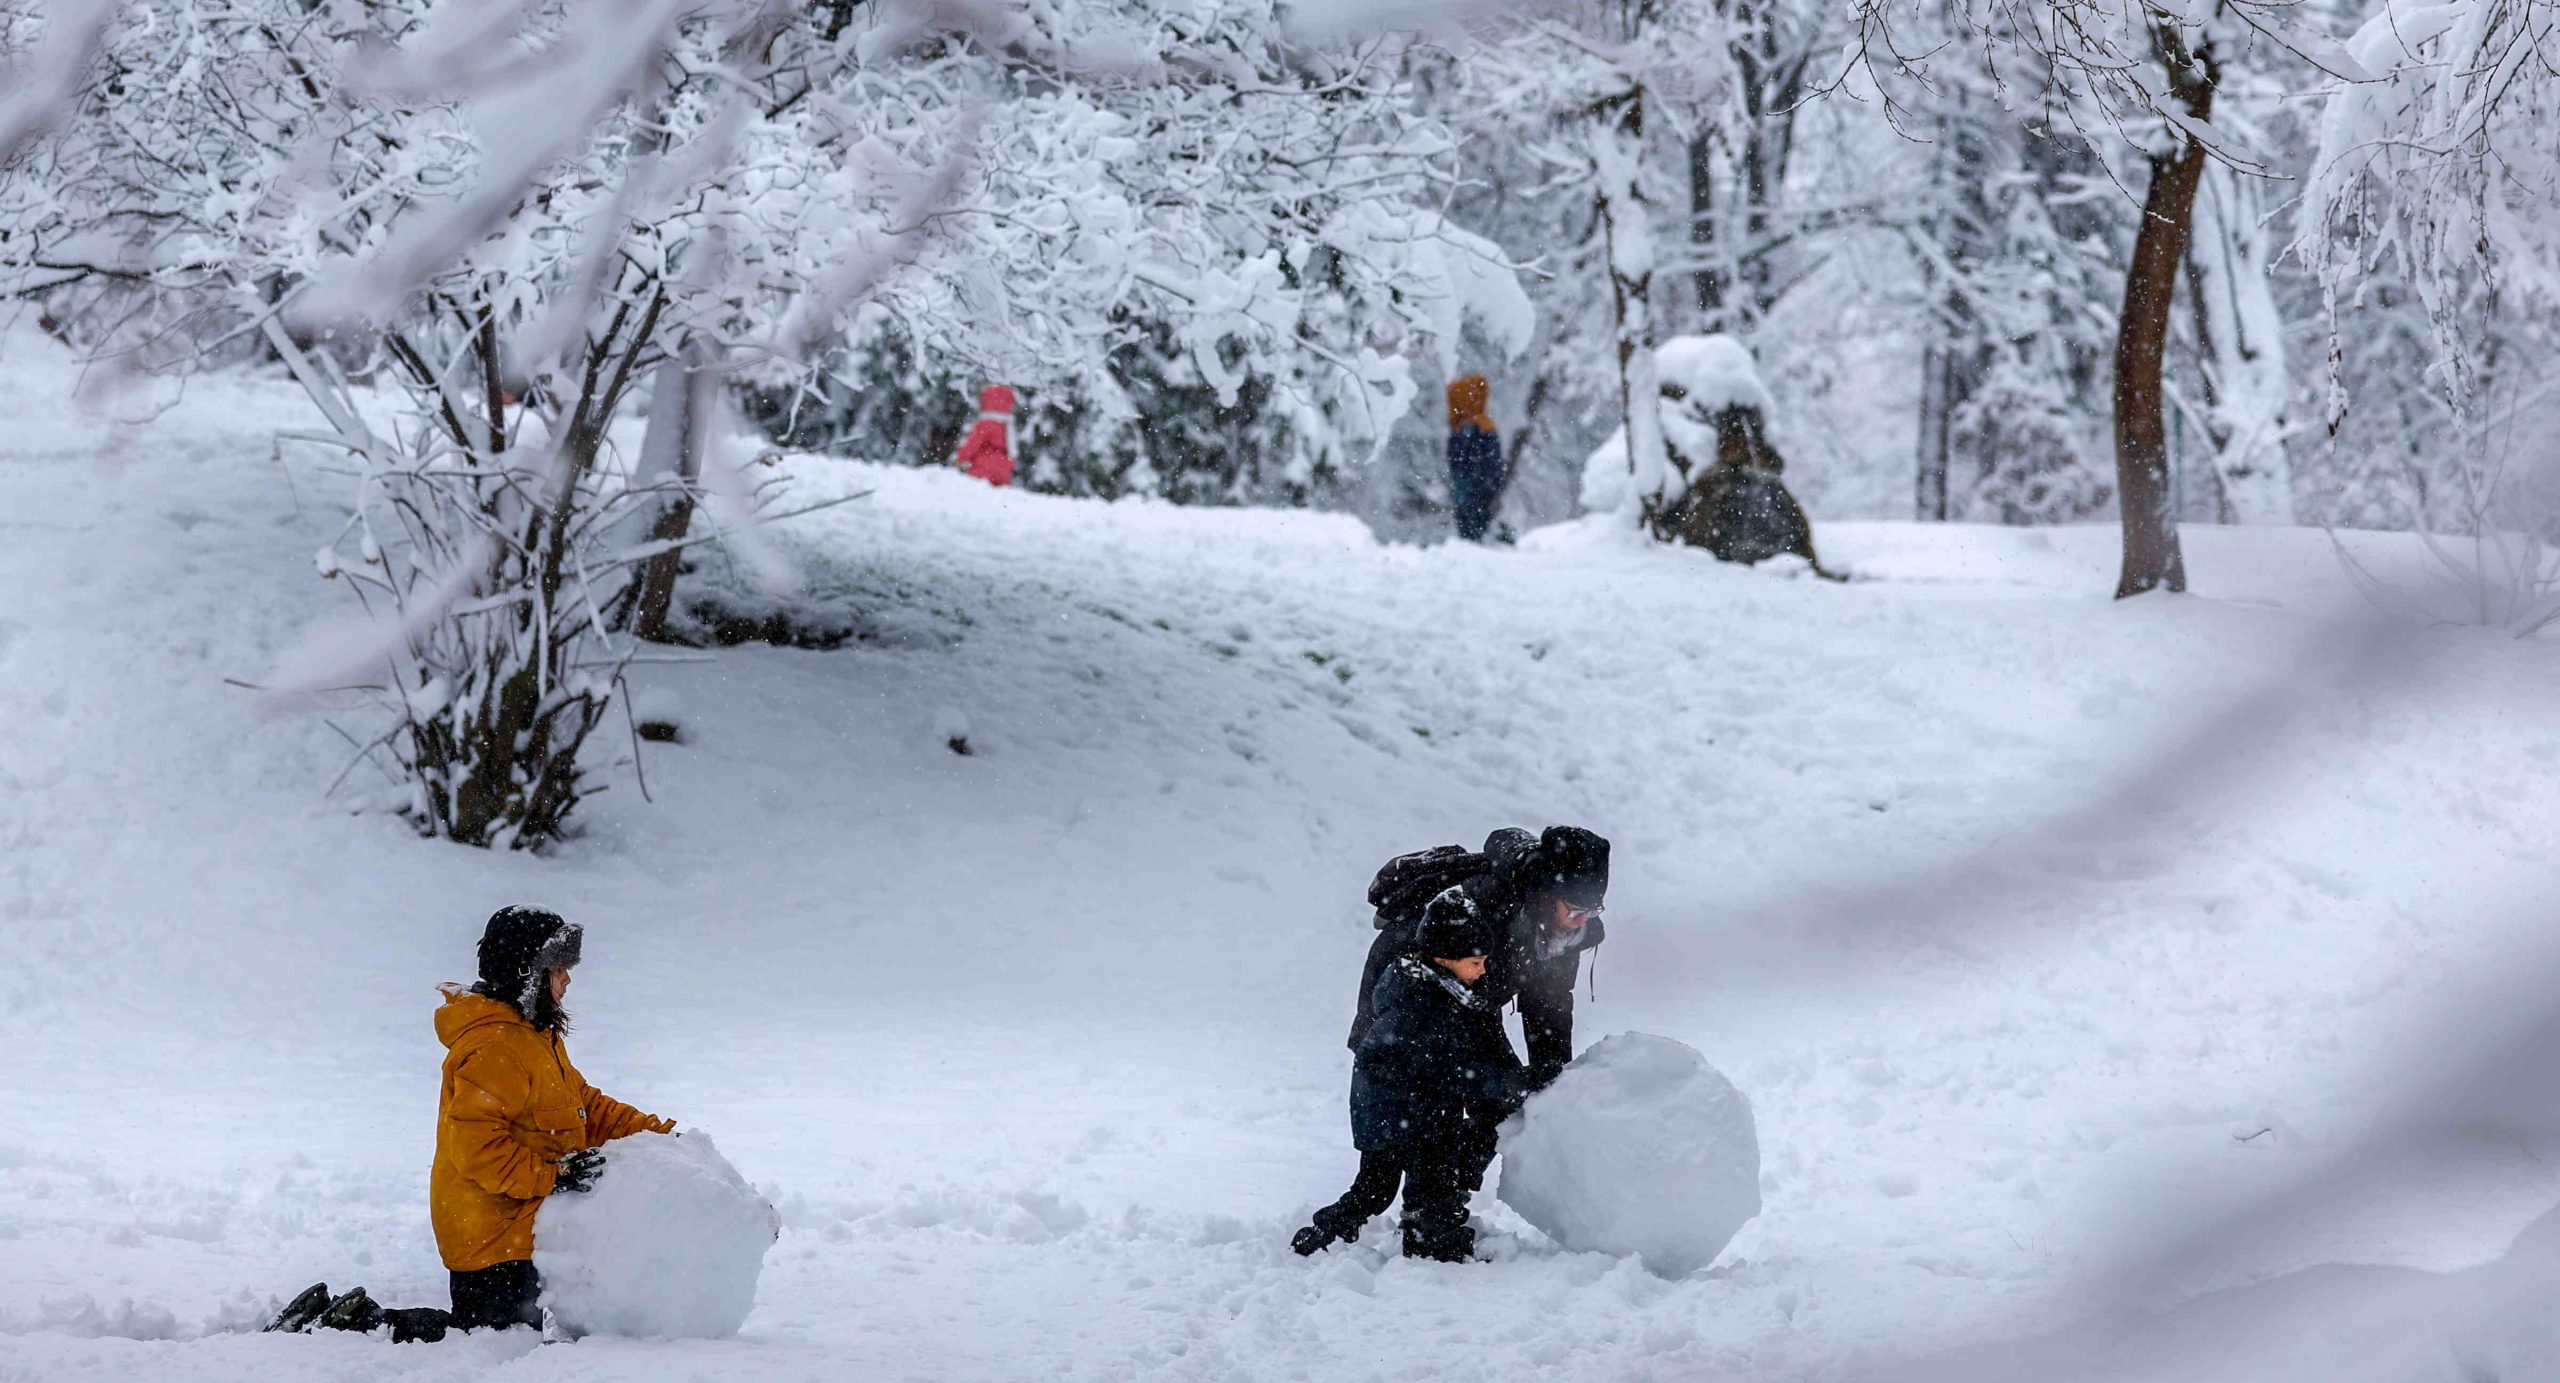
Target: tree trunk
<point>2152,558</point>
<point>1954,362</point>
<point>1937,381</point>
<point>1709,279</point>
<point>2240,345</point>
<point>1626,229</point>
<point>1764,171</point>
<point>679,424</point>
<point>1771,85</point>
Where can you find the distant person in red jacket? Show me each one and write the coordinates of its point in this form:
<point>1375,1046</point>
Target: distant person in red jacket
<point>987,452</point>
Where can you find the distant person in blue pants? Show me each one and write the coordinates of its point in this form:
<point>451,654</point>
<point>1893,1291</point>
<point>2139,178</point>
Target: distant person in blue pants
<point>1476,467</point>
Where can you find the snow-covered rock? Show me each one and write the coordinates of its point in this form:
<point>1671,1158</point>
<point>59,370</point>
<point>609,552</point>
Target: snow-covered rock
<point>1640,1148</point>
<point>657,705</point>
<point>668,1243</point>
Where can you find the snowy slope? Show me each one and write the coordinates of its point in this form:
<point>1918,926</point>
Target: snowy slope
<point>1039,1048</point>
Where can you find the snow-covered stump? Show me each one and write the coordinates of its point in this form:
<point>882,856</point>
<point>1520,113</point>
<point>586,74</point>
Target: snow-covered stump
<point>668,1244</point>
<point>1639,1149</point>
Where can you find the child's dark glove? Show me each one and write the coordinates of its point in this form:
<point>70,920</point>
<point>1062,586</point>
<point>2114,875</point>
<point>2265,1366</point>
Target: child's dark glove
<point>580,1171</point>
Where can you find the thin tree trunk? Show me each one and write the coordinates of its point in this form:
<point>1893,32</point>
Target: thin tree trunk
<point>1709,279</point>
<point>2152,558</point>
<point>1937,381</point>
<point>1626,229</point>
<point>1764,171</point>
<point>684,409</point>
<point>2240,350</point>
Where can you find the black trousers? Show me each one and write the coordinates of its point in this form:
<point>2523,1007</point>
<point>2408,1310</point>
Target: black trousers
<point>1437,1186</point>
<point>491,1298</point>
<point>498,1296</point>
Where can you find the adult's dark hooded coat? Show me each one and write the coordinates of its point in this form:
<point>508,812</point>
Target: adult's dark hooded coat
<point>1526,961</point>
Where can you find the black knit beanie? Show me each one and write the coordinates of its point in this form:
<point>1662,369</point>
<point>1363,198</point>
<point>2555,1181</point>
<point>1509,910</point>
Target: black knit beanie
<point>1451,930</point>
<point>1572,864</point>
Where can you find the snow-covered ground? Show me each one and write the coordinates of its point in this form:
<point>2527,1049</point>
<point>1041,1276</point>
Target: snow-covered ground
<point>1039,1049</point>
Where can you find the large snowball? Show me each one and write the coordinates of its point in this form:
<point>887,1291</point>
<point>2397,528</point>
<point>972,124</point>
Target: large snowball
<point>669,1243</point>
<point>1640,1148</point>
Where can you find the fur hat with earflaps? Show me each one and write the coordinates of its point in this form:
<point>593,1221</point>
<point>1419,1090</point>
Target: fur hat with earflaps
<point>518,946</point>
<point>1571,863</point>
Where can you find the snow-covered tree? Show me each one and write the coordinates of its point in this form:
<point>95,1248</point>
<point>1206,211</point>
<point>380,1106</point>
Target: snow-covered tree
<point>1742,220</point>
<point>2432,214</point>
<point>519,215</point>
<point>2017,235</point>
<point>2139,80</point>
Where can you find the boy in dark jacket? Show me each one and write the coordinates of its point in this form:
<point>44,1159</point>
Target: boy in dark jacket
<point>1432,1076</point>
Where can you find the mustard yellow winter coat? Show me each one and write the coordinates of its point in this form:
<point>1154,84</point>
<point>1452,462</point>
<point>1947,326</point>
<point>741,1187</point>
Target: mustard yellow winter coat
<point>511,1107</point>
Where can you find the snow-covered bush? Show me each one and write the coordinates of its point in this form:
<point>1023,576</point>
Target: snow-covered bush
<point>1640,1147</point>
<point>2034,461</point>
<point>669,1243</point>
<point>485,562</point>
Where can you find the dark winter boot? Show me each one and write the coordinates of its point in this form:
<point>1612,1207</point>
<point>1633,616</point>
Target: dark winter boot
<point>1440,1244</point>
<point>1340,1222</point>
<point>1435,1209</point>
<point>352,1310</point>
<point>300,1312</point>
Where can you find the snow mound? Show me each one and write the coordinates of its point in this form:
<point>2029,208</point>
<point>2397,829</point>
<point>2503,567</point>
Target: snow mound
<point>1716,372</point>
<point>1640,1148</point>
<point>668,1244</point>
<point>1701,376</point>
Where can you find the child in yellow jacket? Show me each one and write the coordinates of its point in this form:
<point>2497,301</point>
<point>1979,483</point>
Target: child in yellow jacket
<point>515,1122</point>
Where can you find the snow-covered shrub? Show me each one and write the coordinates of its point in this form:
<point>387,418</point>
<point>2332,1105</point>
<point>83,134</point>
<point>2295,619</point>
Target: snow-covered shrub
<point>1147,422</point>
<point>489,563</point>
<point>1640,1147</point>
<point>668,1244</point>
<point>2493,531</point>
<point>2036,461</point>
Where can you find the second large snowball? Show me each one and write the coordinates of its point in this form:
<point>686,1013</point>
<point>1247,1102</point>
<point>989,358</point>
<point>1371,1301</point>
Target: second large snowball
<point>1640,1148</point>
